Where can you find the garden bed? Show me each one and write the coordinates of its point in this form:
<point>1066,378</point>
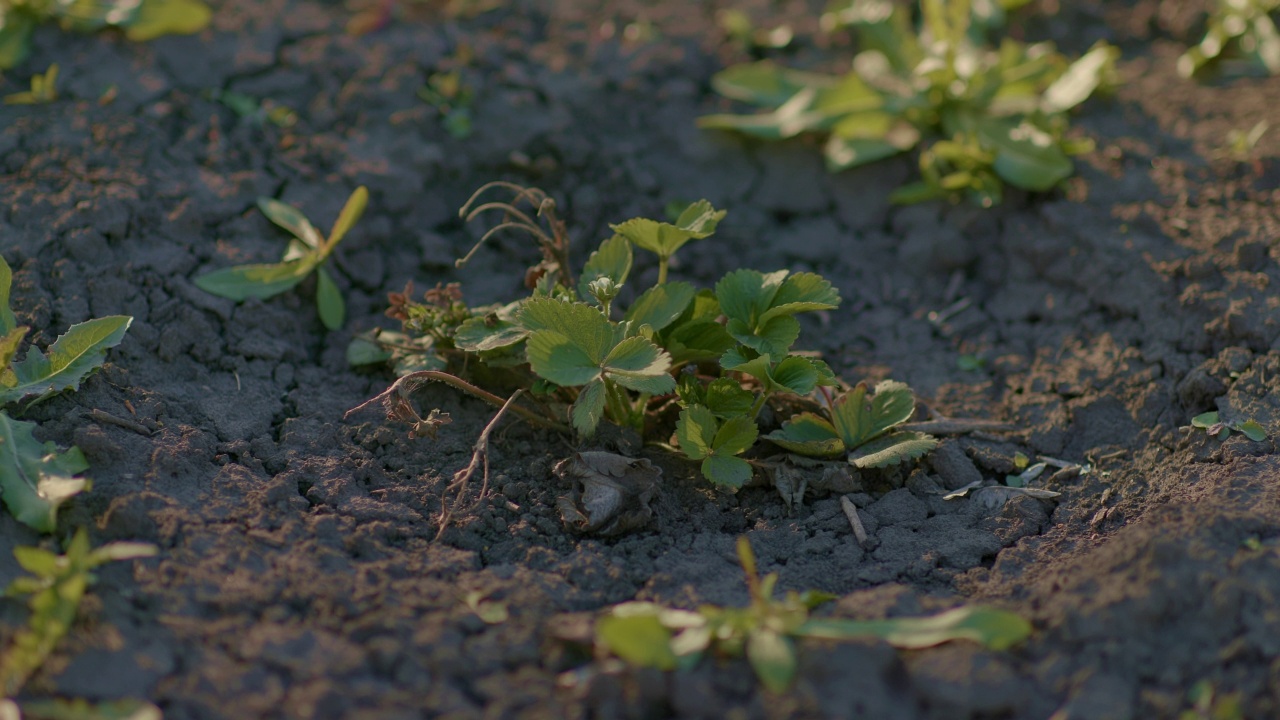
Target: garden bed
<point>299,573</point>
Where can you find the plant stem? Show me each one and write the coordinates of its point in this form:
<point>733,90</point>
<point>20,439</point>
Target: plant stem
<point>663,261</point>
<point>758,405</point>
<point>617,406</point>
<point>411,380</point>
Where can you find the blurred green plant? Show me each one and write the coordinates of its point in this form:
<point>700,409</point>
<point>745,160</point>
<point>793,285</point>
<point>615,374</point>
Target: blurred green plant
<point>44,89</point>
<point>307,252</point>
<point>649,635</point>
<point>141,20</point>
<point>1216,427</point>
<point>982,116</point>
<point>55,588</point>
<point>35,477</point>
<point>1242,29</point>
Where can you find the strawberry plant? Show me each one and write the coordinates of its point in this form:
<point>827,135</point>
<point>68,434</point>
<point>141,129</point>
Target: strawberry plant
<point>981,116</point>
<point>35,477</point>
<point>648,635</point>
<point>1240,28</point>
<point>589,357</point>
<point>307,253</point>
<point>140,19</point>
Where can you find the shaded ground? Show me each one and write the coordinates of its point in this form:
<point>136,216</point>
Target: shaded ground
<point>298,577</point>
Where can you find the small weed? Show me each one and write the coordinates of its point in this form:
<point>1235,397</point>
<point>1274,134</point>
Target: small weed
<point>35,478</point>
<point>307,252</point>
<point>141,20</point>
<point>1215,427</point>
<point>648,635</point>
<point>57,585</point>
<point>982,116</point>
<point>256,111</point>
<point>1240,28</point>
<point>1239,144</point>
<point>44,89</point>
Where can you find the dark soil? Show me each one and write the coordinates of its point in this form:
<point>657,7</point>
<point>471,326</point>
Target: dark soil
<point>298,576</point>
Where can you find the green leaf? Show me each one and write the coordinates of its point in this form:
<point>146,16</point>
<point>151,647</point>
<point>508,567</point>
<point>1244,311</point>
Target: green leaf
<point>7,320</point>
<point>333,311</point>
<point>773,658</point>
<point>745,295</point>
<point>74,355</point>
<point>799,293</point>
<point>772,337</point>
<point>481,334</point>
<point>892,449</point>
<point>15,38</point>
<point>613,260</point>
<point>81,709</point>
<point>996,629</point>
<point>585,325</point>
<point>8,349</point>
<point>291,219</point>
<point>638,364</point>
<point>697,340</point>
<point>797,375</point>
<point>121,551</point>
<point>588,409</point>
<point>1080,80</point>
<point>1204,420</point>
<point>1026,156</point>
<point>1253,430</point>
<point>893,404</point>
<point>735,436</point>
<point>809,435</point>
<point>660,305</point>
<point>167,17</point>
<point>841,153</point>
<point>636,636</point>
<point>695,431</point>
<point>553,356</point>
<point>37,561</point>
<point>764,83</point>
<point>255,281</point>
<point>726,470</point>
<point>34,477</point>
<point>700,217</point>
<point>726,398</point>
<point>351,212</point>
<point>858,421</point>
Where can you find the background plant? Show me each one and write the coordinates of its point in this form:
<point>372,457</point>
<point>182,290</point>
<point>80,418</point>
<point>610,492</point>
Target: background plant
<point>35,477</point>
<point>140,19</point>
<point>982,116</point>
<point>308,252</point>
<point>573,342</point>
<point>649,635</point>
<point>1240,28</point>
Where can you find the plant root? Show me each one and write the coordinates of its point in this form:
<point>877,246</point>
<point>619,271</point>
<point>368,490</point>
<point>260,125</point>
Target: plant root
<point>479,456</point>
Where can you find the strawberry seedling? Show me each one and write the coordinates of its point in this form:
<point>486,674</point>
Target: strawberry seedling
<point>582,351</point>
<point>649,635</point>
<point>141,20</point>
<point>35,477</point>
<point>981,116</point>
<point>308,252</point>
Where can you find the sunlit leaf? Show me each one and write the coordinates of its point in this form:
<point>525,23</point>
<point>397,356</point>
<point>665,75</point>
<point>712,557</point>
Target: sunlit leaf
<point>75,354</point>
<point>995,629</point>
<point>35,478</point>
<point>255,281</point>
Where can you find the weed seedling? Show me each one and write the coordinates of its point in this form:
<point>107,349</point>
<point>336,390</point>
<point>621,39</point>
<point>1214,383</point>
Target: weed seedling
<point>1243,28</point>
<point>55,588</point>
<point>308,252</point>
<point>1215,427</point>
<point>141,20</point>
<point>648,635</point>
<point>982,116</point>
<point>44,89</point>
<point>35,477</point>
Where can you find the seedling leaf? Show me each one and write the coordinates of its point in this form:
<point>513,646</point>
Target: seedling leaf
<point>333,311</point>
<point>34,477</point>
<point>7,320</point>
<point>809,435</point>
<point>612,260</point>
<point>892,449</point>
<point>351,213</point>
<point>1205,420</point>
<point>291,219</point>
<point>1253,430</point>
<point>773,657</point>
<point>995,629</point>
<point>71,358</point>
<point>635,633</point>
<point>659,306</point>
<point>260,281</point>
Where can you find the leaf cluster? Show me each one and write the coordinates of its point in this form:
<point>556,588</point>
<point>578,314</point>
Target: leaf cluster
<point>1216,427</point>
<point>141,20</point>
<point>55,587</point>
<point>982,116</point>
<point>1241,28</point>
<point>649,635</point>
<point>731,345</point>
<point>307,253</point>
<point>35,477</point>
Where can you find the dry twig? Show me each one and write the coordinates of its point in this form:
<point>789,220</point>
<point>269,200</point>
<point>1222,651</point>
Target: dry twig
<point>479,454</point>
